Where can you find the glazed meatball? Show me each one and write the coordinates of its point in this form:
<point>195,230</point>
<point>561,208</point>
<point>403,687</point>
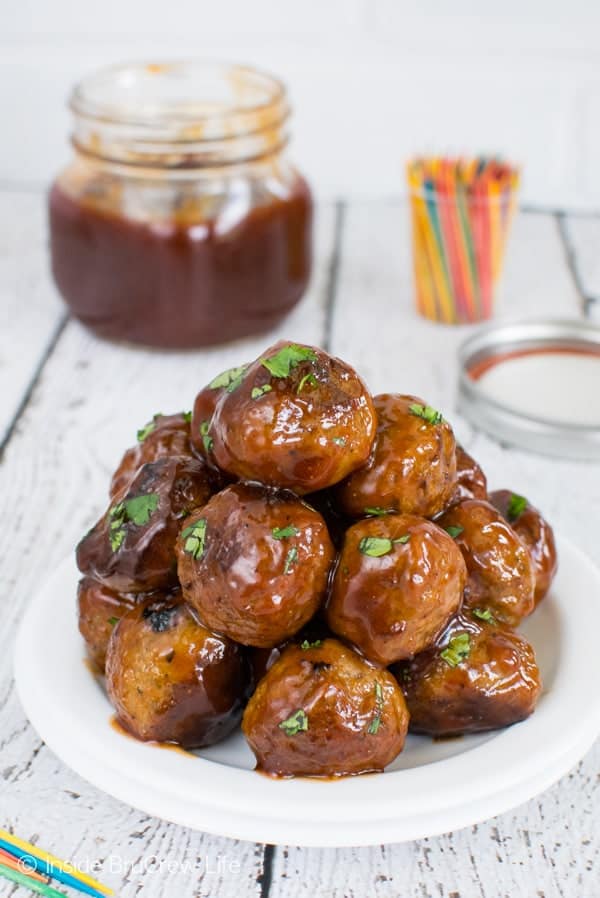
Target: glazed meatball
<point>296,418</point>
<point>132,547</point>
<point>500,570</point>
<point>535,532</point>
<point>322,710</point>
<point>412,467</point>
<point>204,409</point>
<point>480,676</point>
<point>399,580</point>
<point>471,482</point>
<point>99,610</point>
<point>165,435</point>
<point>172,680</point>
<point>254,563</point>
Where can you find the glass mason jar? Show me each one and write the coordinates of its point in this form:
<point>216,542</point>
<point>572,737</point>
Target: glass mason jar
<point>180,223</point>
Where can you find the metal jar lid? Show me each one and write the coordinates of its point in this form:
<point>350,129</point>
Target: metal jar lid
<point>535,384</point>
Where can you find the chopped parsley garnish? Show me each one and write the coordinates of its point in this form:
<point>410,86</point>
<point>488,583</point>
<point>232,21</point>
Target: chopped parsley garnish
<point>116,533</point>
<point>136,511</point>
<point>454,531</point>
<point>484,614</point>
<point>374,725</point>
<point>305,644</point>
<point>139,510</point>
<point>147,429</point>
<point>339,441</point>
<point>257,392</point>
<point>290,560</point>
<point>187,417</point>
<point>429,414</point>
<point>307,379</point>
<point>376,722</point>
<point>207,440</point>
<point>284,532</point>
<point>376,511</point>
<point>287,358</point>
<point>295,723</point>
<point>516,506</point>
<point>376,546</point>
<point>457,649</point>
<point>113,620</point>
<point>195,538</point>
<point>229,380</point>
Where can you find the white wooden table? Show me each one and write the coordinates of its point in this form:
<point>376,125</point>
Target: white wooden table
<point>70,404</point>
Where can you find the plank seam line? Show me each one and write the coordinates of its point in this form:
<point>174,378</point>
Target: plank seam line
<point>587,300</point>
<point>35,379</point>
<point>333,271</point>
<point>265,877</point>
<point>572,212</point>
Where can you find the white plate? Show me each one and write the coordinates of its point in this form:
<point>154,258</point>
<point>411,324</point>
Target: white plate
<point>431,788</point>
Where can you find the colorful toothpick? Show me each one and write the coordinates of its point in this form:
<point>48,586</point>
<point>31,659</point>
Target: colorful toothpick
<point>45,863</point>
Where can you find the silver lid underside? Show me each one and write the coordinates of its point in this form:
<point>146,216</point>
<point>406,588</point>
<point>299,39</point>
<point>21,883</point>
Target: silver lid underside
<point>506,423</point>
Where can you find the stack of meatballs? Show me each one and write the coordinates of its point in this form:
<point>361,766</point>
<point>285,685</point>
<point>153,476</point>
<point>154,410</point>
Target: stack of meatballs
<point>325,566</point>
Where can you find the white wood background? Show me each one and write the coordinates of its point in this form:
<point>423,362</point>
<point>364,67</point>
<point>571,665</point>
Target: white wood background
<point>69,404</point>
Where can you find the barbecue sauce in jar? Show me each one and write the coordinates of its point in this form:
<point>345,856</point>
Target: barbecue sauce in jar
<point>180,223</point>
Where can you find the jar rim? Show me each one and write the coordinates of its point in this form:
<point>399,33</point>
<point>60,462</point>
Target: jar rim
<point>181,114</point>
<point>165,92</point>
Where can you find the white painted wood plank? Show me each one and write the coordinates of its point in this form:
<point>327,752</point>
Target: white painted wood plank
<point>30,309</point>
<point>550,846</point>
<point>583,234</point>
<point>89,401</point>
